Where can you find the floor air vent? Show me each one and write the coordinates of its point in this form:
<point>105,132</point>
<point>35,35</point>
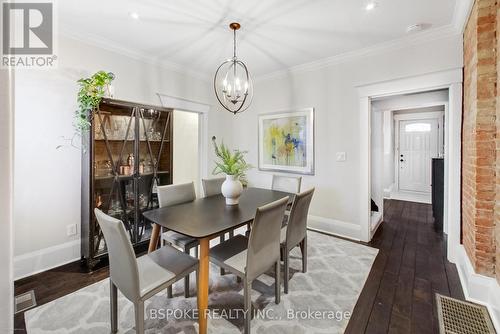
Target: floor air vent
<point>24,301</point>
<point>459,317</point>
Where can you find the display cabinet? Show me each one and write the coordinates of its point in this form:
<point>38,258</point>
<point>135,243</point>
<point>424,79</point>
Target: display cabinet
<point>126,154</point>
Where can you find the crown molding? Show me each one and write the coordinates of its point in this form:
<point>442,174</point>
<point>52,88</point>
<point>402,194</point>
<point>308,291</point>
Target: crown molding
<point>111,46</point>
<point>396,44</point>
<point>455,28</point>
<point>461,14</point>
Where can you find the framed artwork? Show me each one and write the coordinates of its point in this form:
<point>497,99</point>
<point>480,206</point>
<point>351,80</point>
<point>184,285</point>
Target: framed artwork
<point>286,141</point>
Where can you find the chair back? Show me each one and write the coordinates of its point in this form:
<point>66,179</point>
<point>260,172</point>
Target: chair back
<point>212,186</point>
<point>176,194</point>
<point>122,262</point>
<point>297,222</point>
<point>289,184</point>
<point>264,241</point>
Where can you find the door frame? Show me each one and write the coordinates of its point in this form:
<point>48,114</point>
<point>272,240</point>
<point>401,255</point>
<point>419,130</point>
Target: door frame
<point>448,79</point>
<point>438,115</point>
<point>202,109</point>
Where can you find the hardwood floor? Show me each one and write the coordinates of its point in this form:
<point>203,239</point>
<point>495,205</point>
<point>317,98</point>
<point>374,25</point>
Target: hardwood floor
<point>398,296</point>
<point>411,267</point>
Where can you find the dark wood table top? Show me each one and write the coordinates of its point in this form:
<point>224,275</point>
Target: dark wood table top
<point>210,216</point>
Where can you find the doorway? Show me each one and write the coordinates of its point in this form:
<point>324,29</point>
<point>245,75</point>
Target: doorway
<point>407,133</point>
<point>417,144</point>
<point>186,148</point>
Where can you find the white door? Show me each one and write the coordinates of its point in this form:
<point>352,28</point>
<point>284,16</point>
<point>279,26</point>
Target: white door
<point>418,144</point>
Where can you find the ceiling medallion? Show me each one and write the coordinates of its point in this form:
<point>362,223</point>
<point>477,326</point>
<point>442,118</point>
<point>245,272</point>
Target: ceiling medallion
<point>232,82</point>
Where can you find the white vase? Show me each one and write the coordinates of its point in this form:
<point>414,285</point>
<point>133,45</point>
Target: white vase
<point>231,189</point>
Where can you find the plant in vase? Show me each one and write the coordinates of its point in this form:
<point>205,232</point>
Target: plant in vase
<point>234,166</point>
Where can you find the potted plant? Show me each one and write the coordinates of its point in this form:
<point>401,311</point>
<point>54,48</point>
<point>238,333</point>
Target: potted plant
<point>232,164</point>
<point>91,92</point>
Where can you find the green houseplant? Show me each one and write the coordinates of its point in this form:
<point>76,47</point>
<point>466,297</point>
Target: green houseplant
<point>91,92</point>
<point>234,166</point>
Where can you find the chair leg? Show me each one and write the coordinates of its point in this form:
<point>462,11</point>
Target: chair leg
<point>169,292</point>
<point>222,239</point>
<point>186,279</point>
<point>113,298</point>
<point>196,252</point>
<point>286,270</point>
<point>277,284</point>
<point>139,317</point>
<point>231,234</point>
<point>303,248</point>
<point>247,295</point>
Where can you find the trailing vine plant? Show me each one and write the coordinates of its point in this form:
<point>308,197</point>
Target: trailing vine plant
<point>90,94</point>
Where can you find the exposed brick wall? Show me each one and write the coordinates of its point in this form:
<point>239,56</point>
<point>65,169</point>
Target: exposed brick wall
<point>497,201</point>
<point>479,139</point>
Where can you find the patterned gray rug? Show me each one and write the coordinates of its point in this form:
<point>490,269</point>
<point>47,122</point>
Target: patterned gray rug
<point>319,301</point>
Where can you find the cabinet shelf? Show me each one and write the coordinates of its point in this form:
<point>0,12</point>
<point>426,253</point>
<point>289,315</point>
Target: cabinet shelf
<point>130,140</point>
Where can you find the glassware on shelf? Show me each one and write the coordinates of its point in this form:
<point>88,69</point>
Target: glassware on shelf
<point>143,201</point>
<point>103,168</point>
<point>115,208</point>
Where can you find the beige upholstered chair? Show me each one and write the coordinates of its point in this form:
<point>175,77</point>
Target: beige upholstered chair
<point>289,184</point>
<point>295,232</point>
<point>141,278</point>
<point>168,196</point>
<point>212,187</point>
<point>248,258</point>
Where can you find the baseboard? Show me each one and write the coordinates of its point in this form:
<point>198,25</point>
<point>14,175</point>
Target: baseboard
<point>35,262</point>
<point>375,221</point>
<point>478,288</point>
<point>388,191</point>
<point>334,227</point>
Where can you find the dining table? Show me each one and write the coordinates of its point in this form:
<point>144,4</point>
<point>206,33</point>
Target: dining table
<point>204,219</point>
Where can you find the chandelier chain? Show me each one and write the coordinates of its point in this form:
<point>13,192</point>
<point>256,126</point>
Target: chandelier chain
<point>234,43</point>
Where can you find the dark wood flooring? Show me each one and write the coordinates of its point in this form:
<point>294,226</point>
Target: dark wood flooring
<point>398,296</point>
<point>411,266</point>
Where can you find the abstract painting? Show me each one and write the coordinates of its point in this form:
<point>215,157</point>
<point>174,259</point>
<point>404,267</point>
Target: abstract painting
<point>286,141</point>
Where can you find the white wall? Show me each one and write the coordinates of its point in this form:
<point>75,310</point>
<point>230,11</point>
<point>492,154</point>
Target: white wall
<point>388,160</point>
<point>377,154</point>
<point>47,180</point>
<point>6,155</point>
<point>331,90</point>
<point>186,150</point>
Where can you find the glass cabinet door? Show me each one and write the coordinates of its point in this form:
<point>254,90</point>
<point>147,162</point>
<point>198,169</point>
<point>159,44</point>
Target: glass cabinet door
<point>154,162</point>
<point>114,168</point>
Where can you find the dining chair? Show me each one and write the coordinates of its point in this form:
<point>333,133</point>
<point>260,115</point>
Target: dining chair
<point>248,258</point>
<point>289,184</point>
<point>295,232</point>
<point>138,279</point>
<point>212,187</point>
<point>172,195</point>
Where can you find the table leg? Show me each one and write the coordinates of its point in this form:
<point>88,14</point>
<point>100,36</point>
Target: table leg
<point>155,234</point>
<point>203,284</point>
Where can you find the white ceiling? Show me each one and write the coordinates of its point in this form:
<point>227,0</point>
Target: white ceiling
<point>275,34</point>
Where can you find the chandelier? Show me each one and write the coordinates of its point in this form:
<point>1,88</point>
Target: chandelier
<point>232,83</point>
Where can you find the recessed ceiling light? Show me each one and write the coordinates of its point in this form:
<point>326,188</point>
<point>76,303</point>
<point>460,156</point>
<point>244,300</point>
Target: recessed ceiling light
<point>415,28</point>
<point>371,5</point>
<point>134,15</point>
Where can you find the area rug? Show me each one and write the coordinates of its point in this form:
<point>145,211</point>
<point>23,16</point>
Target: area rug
<point>319,301</point>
